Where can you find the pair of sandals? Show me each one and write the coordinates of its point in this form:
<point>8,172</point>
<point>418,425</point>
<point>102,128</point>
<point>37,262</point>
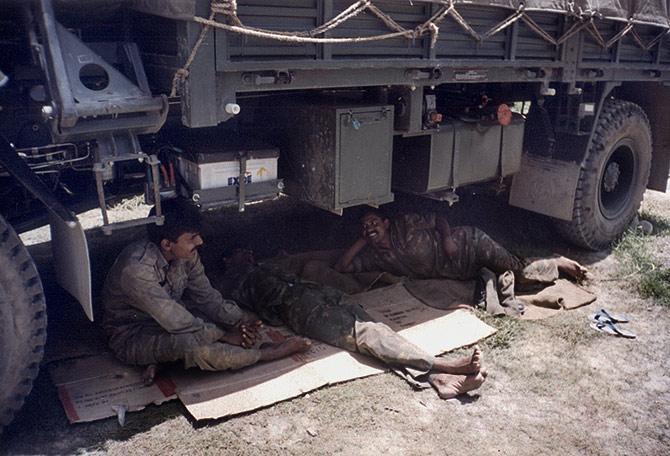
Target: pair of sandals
<point>606,322</point>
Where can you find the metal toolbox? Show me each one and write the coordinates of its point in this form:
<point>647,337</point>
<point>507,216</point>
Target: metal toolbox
<point>459,153</point>
<point>338,156</point>
<point>423,164</point>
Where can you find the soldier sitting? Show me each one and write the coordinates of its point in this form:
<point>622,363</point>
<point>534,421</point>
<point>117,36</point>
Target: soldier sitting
<point>160,307</point>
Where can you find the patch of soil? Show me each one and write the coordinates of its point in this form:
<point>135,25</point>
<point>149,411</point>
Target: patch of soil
<point>561,388</point>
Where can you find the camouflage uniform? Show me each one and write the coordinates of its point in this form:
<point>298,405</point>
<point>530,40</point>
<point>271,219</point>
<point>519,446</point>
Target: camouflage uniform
<point>416,251</point>
<point>326,314</point>
<point>157,312</point>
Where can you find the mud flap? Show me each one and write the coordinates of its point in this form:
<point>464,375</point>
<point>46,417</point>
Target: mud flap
<point>545,186</point>
<point>71,261</point>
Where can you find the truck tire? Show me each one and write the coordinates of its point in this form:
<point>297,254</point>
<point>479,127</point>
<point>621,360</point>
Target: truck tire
<point>23,323</point>
<point>613,177</point>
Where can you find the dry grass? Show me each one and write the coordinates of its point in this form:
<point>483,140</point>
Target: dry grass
<point>639,263</point>
<point>554,387</point>
<point>508,330</point>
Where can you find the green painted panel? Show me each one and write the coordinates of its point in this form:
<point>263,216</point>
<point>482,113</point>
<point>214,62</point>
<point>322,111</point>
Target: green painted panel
<point>364,148</point>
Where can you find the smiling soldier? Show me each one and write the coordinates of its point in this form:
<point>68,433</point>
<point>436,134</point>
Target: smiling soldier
<point>160,307</point>
<point>426,247</point>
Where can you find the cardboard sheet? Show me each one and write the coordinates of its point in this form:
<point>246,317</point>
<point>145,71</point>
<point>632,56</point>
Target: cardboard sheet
<point>96,387</point>
<point>220,394</point>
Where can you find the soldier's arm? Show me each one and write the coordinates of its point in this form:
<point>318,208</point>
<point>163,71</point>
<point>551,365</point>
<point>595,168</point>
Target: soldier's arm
<point>142,285</point>
<point>208,300</point>
<point>448,244</point>
<point>346,262</point>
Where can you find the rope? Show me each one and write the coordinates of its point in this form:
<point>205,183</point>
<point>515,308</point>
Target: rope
<point>233,24</point>
<point>348,13</point>
<point>503,24</point>
<point>572,31</point>
<point>458,18</point>
<point>652,43</point>
<point>388,20</point>
<point>537,29</point>
<point>658,38</point>
<point>182,73</point>
<point>434,32</point>
<point>595,33</point>
<point>292,38</point>
<point>619,35</point>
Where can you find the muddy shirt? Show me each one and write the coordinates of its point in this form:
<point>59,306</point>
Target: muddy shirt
<point>416,251</point>
<point>308,308</point>
<point>329,315</point>
<point>144,293</point>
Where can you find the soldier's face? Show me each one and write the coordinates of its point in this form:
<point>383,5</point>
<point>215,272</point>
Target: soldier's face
<point>185,247</point>
<point>374,229</point>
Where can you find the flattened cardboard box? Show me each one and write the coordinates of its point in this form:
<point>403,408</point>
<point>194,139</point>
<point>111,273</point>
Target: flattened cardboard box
<point>218,394</point>
<point>99,386</point>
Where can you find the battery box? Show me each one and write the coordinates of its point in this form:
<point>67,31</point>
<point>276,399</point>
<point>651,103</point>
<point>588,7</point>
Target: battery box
<point>209,167</point>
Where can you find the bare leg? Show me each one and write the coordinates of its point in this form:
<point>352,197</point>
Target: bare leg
<point>571,268</point>
<point>464,366</point>
<point>449,386</point>
<point>288,347</point>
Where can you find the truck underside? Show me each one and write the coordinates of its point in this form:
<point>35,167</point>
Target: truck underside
<point>335,102</point>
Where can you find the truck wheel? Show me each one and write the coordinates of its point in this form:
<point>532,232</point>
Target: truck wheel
<point>613,177</point>
<point>23,323</point>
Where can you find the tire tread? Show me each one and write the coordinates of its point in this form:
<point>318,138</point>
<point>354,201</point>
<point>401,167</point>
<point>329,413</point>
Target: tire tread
<point>31,357</point>
<point>582,229</point>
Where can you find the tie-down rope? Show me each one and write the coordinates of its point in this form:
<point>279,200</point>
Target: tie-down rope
<point>228,8</point>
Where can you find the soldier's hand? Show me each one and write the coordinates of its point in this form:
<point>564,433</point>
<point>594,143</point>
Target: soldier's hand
<point>241,336</point>
<point>249,332</point>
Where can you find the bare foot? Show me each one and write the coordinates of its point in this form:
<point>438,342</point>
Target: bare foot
<point>571,268</point>
<point>449,386</point>
<point>288,347</point>
<point>461,366</point>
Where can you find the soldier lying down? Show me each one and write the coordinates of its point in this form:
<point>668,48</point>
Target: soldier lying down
<point>329,315</point>
<point>425,246</point>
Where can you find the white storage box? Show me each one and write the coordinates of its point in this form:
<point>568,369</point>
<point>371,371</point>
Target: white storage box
<point>207,170</point>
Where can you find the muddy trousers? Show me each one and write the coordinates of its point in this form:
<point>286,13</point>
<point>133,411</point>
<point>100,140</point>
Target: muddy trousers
<point>339,321</point>
<point>162,347</point>
<point>381,342</point>
<point>481,251</point>
<point>477,250</point>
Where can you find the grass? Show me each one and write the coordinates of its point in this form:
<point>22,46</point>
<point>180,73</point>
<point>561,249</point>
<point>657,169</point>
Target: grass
<point>508,330</point>
<point>661,224</point>
<point>656,284</point>
<point>568,329</point>
<point>634,254</point>
<point>638,264</point>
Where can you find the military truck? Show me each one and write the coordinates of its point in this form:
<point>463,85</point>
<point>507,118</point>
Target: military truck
<point>560,105</point>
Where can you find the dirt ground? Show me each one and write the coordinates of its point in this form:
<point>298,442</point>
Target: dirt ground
<point>555,386</point>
